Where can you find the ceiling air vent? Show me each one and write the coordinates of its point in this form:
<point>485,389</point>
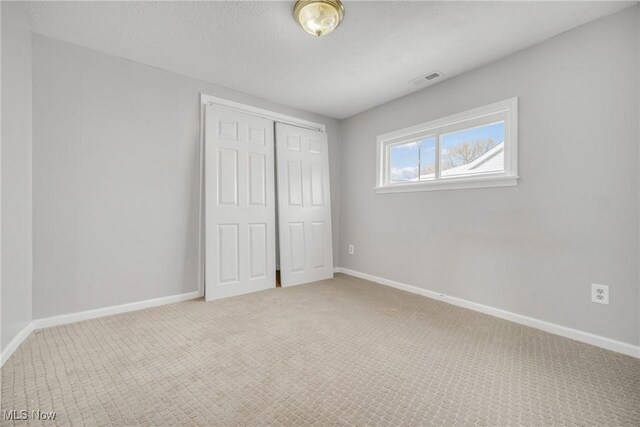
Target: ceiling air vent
<point>427,78</point>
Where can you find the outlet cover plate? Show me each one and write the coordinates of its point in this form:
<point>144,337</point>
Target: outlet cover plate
<point>599,293</point>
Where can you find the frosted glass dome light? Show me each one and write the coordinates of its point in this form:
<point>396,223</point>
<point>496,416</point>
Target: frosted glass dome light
<point>318,17</point>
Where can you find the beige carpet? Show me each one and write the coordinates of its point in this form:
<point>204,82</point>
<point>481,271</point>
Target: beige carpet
<point>337,352</point>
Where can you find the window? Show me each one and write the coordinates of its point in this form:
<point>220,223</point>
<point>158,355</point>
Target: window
<point>477,148</point>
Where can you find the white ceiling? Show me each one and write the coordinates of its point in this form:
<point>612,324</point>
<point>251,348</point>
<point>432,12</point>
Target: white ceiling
<point>257,47</point>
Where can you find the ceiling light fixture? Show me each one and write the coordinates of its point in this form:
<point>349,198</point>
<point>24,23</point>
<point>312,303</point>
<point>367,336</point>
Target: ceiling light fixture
<point>318,17</point>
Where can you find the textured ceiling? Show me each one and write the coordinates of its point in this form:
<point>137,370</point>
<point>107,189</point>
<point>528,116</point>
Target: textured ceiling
<point>257,47</point>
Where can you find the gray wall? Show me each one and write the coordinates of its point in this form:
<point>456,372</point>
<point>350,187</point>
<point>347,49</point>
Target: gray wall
<point>533,249</point>
<point>15,291</point>
<point>116,178</point>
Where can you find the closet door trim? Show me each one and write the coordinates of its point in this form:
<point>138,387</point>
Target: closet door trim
<point>256,111</point>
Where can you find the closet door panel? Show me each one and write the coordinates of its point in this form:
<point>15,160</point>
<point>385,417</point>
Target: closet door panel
<point>239,203</point>
<point>304,207</point>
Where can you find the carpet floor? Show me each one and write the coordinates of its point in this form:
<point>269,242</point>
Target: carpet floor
<point>337,352</point>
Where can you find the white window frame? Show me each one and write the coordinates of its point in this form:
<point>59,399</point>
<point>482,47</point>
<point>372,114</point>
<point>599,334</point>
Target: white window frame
<point>506,111</point>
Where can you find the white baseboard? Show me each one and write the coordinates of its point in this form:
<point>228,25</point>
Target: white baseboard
<point>114,309</point>
<point>15,343</point>
<point>90,314</point>
<point>586,337</point>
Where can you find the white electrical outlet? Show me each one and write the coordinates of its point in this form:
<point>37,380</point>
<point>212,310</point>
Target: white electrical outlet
<point>599,293</point>
<point>351,249</point>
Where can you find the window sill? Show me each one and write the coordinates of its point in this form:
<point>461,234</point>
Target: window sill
<point>450,184</point>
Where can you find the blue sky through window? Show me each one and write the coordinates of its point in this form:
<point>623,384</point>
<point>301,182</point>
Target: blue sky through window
<point>494,131</point>
<point>405,159</point>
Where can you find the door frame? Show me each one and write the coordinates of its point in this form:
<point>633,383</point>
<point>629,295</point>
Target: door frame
<point>246,109</point>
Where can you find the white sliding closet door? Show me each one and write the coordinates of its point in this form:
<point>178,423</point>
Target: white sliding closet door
<point>239,203</point>
<point>304,205</point>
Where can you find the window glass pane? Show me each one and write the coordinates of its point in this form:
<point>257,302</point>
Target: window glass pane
<point>404,162</point>
<point>472,151</point>
<point>427,159</point>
